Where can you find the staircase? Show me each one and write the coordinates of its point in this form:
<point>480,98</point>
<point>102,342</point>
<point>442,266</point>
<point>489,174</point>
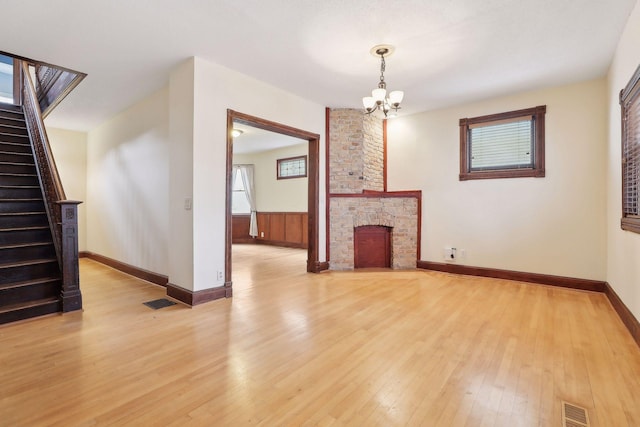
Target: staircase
<point>30,276</point>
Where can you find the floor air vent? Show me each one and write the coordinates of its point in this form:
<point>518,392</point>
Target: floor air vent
<point>574,415</point>
<point>159,303</point>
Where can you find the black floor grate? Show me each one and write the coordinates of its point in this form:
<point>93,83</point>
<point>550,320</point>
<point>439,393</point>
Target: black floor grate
<point>159,303</point>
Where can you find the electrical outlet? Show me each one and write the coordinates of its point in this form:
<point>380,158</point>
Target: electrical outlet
<point>262,234</point>
<point>220,275</point>
<point>450,254</point>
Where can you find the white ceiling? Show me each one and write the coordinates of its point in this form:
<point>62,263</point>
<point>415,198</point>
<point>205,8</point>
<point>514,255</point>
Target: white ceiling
<point>447,51</point>
<point>255,140</point>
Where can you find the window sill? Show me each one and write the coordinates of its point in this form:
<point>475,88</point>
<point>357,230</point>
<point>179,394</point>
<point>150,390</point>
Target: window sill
<point>507,173</point>
<point>630,224</point>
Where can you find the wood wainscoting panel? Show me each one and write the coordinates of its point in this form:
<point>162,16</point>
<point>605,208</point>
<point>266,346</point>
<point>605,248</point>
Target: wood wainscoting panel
<point>293,228</point>
<point>289,229</point>
<point>277,227</point>
<point>240,229</point>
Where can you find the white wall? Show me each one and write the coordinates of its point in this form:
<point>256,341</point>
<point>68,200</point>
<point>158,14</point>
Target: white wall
<point>216,89</point>
<point>70,153</point>
<point>623,255</point>
<point>272,194</point>
<point>128,185</point>
<point>551,225</point>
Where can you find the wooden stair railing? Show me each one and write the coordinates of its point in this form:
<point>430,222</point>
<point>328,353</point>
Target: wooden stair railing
<point>53,84</point>
<point>62,213</point>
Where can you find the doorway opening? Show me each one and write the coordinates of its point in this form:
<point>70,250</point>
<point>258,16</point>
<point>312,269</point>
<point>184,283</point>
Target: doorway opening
<point>235,118</point>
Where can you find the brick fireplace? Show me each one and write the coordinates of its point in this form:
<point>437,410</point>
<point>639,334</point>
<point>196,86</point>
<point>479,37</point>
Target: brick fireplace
<point>357,197</point>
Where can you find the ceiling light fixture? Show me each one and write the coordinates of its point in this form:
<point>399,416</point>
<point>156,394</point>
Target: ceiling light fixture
<point>379,99</point>
<point>236,133</point>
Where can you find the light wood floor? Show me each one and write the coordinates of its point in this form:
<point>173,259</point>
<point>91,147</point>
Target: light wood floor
<point>341,348</point>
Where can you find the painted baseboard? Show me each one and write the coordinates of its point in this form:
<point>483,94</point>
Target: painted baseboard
<point>199,297</point>
<point>627,317</point>
<point>140,273</point>
<point>624,313</point>
<point>542,279</point>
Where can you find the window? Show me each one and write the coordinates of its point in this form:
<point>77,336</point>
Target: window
<point>292,167</point>
<point>630,104</point>
<point>504,145</point>
<point>6,79</point>
<point>239,200</point>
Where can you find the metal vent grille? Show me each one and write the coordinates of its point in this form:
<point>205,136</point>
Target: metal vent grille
<point>574,415</point>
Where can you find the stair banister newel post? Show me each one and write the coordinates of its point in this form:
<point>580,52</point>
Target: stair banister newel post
<point>71,296</point>
<point>62,213</point>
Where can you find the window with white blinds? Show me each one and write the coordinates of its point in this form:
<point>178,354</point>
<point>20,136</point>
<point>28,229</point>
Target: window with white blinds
<point>506,144</point>
<point>503,145</point>
<point>630,103</point>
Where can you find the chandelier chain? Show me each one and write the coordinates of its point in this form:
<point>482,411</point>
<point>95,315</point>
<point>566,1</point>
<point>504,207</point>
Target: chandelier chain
<point>382,69</point>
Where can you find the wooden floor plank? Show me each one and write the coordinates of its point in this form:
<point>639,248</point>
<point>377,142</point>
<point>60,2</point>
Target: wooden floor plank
<point>373,348</point>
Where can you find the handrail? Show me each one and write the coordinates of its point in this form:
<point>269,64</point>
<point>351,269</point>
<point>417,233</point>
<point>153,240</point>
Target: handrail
<point>61,213</point>
<point>45,164</point>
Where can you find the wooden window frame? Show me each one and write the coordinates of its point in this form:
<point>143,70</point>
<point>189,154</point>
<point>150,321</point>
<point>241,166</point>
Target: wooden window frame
<point>628,96</point>
<point>306,167</point>
<point>537,171</point>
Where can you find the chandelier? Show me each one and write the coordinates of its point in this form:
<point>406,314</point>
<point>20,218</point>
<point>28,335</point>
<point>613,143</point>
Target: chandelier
<point>379,99</point>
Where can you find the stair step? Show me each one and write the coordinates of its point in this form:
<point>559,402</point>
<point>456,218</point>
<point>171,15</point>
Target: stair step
<point>12,272</point>
<point>6,106</point>
<point>16,147</point>
<point>12,121</point>
<point>7,112</point>
<point>23,219</point>
<point>17,236</point>
<point>8,137</point>
<point>15,156</point>
<point>27,251</point>
<point>13,129</point>
<point>18,179</point>
<point>29,290</point>
<point>31,262</point>
<point>20,192</point>
<point>28,310</point>
<point>18,167</point>
<point>21,205</point>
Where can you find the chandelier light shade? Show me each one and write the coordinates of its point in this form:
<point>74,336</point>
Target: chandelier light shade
<point>379,100</point>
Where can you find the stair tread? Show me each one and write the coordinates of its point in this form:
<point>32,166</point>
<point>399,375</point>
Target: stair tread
<point>22,213</point>
<point>17,163</point>
<point>12,134</point>
<point>36,227</point>
<point>15,143</point>
<point>29,262</point>
<point>17,174</point>
<point>26,199</point>
<point>26,283</point>
<point>13,153</point>
<point>19,186</point>
<point>29,304</point>
<point>26,245</point>
<point>13,126</point>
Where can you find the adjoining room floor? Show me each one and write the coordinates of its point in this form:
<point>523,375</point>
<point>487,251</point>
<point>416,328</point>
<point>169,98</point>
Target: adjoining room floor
<point>338,348</point>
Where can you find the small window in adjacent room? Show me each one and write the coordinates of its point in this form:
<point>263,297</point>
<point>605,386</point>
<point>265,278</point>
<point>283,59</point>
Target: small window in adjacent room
<point>292,167</point>
<point>504,145</point>
<point>630,104</point>
<point>239,200</point>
